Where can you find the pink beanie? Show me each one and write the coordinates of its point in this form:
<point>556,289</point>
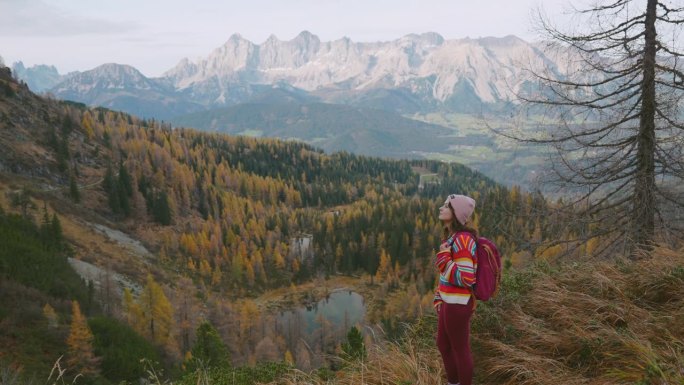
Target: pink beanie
<point>463,207</point>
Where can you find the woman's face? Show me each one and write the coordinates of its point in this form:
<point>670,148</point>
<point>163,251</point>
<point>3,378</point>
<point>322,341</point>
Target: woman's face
<point>445,213</point>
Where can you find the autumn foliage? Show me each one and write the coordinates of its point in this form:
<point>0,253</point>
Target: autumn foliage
<point>80,357</point>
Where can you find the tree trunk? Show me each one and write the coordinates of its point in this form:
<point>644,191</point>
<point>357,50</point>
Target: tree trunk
<point>644,208</point>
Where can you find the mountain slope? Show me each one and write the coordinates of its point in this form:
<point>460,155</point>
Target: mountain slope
<point>329,126</point>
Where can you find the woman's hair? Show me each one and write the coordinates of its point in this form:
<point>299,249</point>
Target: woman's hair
<point>455,226</point>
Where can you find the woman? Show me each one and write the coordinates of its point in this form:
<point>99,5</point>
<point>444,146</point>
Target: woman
<point>453,299</point>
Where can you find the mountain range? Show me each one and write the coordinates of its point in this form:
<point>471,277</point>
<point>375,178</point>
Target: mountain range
<point>415,73</point>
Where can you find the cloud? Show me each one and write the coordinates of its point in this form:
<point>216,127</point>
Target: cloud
<point>35,18</point>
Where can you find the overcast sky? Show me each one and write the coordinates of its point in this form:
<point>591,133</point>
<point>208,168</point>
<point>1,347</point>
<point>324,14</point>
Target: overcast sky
<point>153,35</point>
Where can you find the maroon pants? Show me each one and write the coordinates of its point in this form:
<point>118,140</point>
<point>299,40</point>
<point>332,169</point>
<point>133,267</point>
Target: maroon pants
<point>453,341</point>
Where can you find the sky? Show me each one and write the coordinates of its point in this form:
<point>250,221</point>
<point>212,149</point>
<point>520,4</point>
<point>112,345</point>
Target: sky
<point>154,35</point>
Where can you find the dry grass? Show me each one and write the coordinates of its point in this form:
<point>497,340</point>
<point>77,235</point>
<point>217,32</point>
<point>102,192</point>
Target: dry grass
<point>406,363</point>
<point>595,323</point>
<point>617,322</point>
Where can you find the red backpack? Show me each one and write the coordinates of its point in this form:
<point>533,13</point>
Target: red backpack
<point>488,273</point>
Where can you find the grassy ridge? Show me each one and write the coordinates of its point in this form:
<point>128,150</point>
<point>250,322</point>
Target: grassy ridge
<point>589,322</point>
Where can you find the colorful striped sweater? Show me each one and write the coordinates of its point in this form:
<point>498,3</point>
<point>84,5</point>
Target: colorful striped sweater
<point>456,267</point>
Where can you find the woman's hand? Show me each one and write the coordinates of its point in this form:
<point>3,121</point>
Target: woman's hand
<point>443,256</point>
<point>444,246</point>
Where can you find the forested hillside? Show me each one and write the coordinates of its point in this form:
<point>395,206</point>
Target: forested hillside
<point>185,229</point>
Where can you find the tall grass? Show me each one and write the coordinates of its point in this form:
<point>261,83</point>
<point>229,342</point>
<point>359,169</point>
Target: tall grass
<point>589,322</point>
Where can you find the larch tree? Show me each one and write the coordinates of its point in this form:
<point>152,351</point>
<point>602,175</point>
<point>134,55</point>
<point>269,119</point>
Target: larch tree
<point>157,313</point>
<point>50,316</point>
<point>614,117</point>
<point>131,311</point>
<point>80,356</point>
<point>187,312</point>
<point>288,358</point>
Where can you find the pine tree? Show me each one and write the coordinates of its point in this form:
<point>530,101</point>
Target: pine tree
<point>74,193</point>
<point>56,231</point>
<point>111,186</point>
<point>161,210</point>
<point>124,190</point>
<point>354,348</point>
<point>209,349</point>
<point>67,125</point>
<point>80,356</point>
<point>45,227</point>
<point>63,154</point>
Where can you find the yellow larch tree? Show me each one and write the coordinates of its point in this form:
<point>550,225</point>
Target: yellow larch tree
<point>157,313</point>
<point>205,268</point>
<point>87,123</point>
<point>288,358</point>
<point>216,275</point>
<point>131,311</point>
<point>385,267</point>
<point>80,356</point>
<point>50,315</point>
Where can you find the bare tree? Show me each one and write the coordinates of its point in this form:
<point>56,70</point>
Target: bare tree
<point>613,116</point>
<point>109,289</point>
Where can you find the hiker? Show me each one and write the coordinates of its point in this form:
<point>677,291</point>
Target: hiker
<point>453,302</point>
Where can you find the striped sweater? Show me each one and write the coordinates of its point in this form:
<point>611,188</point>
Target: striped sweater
<point>456,267</point>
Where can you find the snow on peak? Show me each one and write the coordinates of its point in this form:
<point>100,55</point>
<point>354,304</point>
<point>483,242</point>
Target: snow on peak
<point>491,65</point>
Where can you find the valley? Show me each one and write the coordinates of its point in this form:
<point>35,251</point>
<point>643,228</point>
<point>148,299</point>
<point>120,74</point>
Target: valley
<point>206,225</point>
<point>339,96</point>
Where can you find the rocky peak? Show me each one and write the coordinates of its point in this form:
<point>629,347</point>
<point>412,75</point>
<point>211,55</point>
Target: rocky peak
<point>306,38</point>
<point>426,39</point>
<point>275,54</point>
<point>184,69</point>
<point>109,76</point>
<point>116,71</point>
<point>38,77</point>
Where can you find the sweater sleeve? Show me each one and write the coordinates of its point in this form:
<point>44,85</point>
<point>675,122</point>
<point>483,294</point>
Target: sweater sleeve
<point>442,260</point>
<point>460,269</point>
